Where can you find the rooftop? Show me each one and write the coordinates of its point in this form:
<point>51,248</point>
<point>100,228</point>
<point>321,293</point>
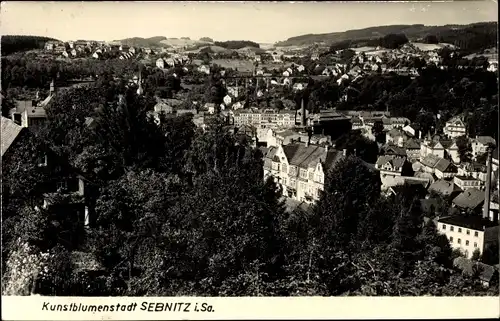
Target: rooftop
<point>10,131</point>
<point>471,198</point>
<point>473,222</point>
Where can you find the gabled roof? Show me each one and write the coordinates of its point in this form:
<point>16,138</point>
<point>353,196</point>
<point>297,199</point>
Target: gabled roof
<point>394,160</point>
<point>394,150</point>
<point>486,272</point>
<point>430,160</point>
<point>473,222</point>
<point>411,144</point>
<point>444,187</point>
<point>485,140</point>
<point>445,165</point>
<point>304,156</point>
<point>471,198</point>
<point>10,132</point>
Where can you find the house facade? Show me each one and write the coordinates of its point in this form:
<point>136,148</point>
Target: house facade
<point>300,169</point>
<point>455,127</point>
<point>468,233</point>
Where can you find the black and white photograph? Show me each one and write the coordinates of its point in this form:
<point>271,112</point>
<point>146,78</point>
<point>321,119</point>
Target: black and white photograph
<point>249,149</point>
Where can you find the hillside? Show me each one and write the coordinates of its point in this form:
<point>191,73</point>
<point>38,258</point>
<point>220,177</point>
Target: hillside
<point>486,31</point>
<point>11,44</point>
<point>142,42</point>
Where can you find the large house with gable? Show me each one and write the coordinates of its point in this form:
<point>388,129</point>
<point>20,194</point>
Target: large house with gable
<point>300,168</point>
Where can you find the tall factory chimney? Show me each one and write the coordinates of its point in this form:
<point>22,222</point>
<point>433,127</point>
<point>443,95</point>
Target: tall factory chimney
<point>302,113</point>
<point>487,187</point>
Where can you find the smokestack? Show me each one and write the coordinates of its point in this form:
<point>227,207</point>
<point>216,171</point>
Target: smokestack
<point>486,206</point>
<point>302,113</point>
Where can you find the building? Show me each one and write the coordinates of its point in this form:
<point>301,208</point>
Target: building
<point>455,127</point>
<point>392,165</point>
<point>269,118</point>
<point>300,169</point>
<point>11,133</point>
<point>487,273</point>
<point>204,69</point>
<point>65,193</point>
<point>468,233</point>
<point>480,145</point>
<point>471,199</point>
<point>438,166</point>
<point>445,188</point>
<point>395,136</point>
<point>160,63</point>
<point>466,182</point>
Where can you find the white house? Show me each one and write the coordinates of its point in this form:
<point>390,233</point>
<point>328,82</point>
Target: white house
<point>160,63</point>
<point>455,127</point>
<point>227,100</point>
<point>480,145</point>
<point>204,69</point>
<point>468,233</point>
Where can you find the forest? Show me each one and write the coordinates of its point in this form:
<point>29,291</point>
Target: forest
<point>11,44</point>
<point>187,212</point>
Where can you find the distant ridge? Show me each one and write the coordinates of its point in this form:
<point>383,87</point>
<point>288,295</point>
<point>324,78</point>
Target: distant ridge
<point>413,32</point>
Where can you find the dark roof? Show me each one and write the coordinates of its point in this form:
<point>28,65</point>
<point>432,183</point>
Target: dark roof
<point>473,222</point>
<point>486,272</point>
<point>305,156</point>
<point>390,149</point>
<point>10,132</point>
<point>411,144</point>
<point>445,165</point>
<point>444,187</point>
<point>470,198</point>
<point>395,160</point>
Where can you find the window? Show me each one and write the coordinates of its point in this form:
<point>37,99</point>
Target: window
<point>444,226</point>
<point>476,234</point>
<point>451,239</point>
<point>459,230</point>
<point>459,241</point>
<point>475,244</point>
<point>284,168</point>
<point>451,228</point>
<point>468,232</point>
<point>303,173</point>
<point>466,243</point>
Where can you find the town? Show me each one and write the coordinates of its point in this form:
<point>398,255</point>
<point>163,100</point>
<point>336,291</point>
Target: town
<point>172,166</point>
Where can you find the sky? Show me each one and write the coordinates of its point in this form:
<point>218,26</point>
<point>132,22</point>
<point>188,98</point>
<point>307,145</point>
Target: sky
<point>263,22</point>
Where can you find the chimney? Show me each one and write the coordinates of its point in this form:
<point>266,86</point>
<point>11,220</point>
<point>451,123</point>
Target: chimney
<point>486,206</point>
<point>326,148</point>
<point>344,152</point>
<point>302,113</point>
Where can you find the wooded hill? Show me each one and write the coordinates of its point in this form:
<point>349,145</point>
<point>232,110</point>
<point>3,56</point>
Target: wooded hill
<point>11,44</point>
<point>464,36</point>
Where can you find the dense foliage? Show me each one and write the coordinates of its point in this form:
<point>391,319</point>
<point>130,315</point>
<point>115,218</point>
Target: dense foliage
<point>187,212</point>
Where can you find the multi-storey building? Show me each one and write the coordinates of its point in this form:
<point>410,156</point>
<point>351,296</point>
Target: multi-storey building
<point>300,168</point>
<point>468,233</point>
<point>268,118</point>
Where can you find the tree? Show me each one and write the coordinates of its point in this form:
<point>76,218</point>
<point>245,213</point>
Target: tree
<point>431,39</point>
<point>378,132</point>
<point>464,149</point>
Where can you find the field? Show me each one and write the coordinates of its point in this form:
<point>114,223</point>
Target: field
<point>241,65</point>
